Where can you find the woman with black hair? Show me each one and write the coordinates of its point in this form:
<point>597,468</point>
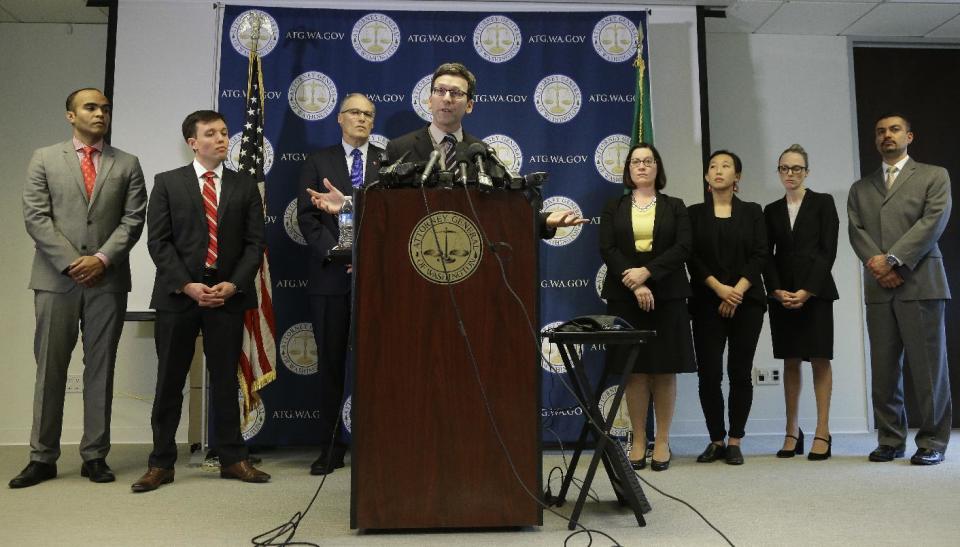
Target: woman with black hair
<point>729,253</point>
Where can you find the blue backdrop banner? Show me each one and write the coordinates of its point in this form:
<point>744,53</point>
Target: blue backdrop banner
<point>555,93</point>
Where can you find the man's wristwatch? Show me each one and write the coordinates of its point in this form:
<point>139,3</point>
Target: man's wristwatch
<point>892,261</point>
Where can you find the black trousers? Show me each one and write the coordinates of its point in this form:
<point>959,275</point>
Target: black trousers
<point>331,331</point>
<point>711,333</point>
<point>176,334</point>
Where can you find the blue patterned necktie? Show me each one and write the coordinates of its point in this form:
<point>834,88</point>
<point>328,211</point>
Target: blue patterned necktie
<point>448,143</point>
<point>356,170</point>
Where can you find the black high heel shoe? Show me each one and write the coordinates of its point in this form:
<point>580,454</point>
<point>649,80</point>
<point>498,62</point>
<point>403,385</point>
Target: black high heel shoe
<point>820,456</point>
<point>664,465</point>
<point>797,449</point>
<point>639,464</point>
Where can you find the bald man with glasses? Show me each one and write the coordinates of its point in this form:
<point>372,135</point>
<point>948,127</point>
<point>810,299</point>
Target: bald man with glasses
<point>340,168</point>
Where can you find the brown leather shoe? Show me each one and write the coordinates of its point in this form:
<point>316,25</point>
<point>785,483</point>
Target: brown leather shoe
<point>244,471</point>
<point>152,479</point>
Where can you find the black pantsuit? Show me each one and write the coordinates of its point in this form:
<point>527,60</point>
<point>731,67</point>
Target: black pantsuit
<point>710,334</point>
<point>727,249</point>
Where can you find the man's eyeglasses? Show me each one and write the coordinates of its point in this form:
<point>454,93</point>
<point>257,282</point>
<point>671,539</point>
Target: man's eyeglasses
<point>455,94</point>
<point>637,162</point>
<point>795,169</point>
<point>356,113</point>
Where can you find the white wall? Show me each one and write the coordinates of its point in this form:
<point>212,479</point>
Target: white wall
<point>34,86</point>
<point>767,92</point>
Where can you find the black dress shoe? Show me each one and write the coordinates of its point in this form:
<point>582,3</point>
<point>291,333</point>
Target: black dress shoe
<point>926,456</point>
<point>712,453</point>
<point>886,453</point>
<point>320,466</point>
<point>797,448</point>
<point>734,455</point>
<point>34,473</point>
<point>97,470</point>
<point>820,456</point>
<point>639,464</point>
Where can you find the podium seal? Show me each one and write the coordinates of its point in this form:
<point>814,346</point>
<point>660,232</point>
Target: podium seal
<point>445,247</point>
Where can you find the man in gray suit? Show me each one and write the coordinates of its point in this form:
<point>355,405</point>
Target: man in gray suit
<point>84,205</point>
<point>897,215</point>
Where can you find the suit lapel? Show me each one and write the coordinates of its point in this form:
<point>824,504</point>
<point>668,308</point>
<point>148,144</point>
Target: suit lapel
<point>372,167</point>
<point>902,178</point>
<point>338,162</point>
<point>73,167</point>
<point>227,189</point>
<point>191,186</point>
<point>107,158</point>
<point>424,144</point>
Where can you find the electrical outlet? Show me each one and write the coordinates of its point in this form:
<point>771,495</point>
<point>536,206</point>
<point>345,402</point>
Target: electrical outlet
<point>766,376</point>
<point>74,383</point>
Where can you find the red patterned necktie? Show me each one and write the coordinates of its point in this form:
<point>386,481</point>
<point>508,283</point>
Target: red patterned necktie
<point>210,210</point>
<point>88,169</point>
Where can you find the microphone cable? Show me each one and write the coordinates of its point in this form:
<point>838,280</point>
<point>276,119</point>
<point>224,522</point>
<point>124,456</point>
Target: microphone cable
<point>282,536</point>
<point>587,415</point>
<point>476,370</point>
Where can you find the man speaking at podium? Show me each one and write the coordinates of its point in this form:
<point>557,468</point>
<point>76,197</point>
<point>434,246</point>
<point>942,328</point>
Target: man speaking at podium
<point>451,98</point>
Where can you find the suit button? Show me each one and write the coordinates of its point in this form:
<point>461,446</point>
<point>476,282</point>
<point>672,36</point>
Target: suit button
<point>89,222</point>
<point>83,248</point>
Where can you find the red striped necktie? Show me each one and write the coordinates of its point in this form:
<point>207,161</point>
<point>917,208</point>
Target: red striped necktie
<point>210,210</point>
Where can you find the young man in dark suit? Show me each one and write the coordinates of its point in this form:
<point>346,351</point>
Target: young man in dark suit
<point>205,235</point>
<point>83,206</point>
<point>896,217</point>
<point>346,165</point>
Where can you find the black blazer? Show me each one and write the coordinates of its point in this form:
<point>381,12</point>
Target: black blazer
<point>177,237</point>
<point>749,253</point>
<point>419,145</point>
<point>671,247</point>
<point>802,256</point>
<point>320,229</point>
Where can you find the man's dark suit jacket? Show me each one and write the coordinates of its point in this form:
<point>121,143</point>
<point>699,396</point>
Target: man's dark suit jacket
<point>671,247</point>
<point>749,253</point>
<point>419,145</point>
<point>320,229</point>
<point>802,257</point>
<point>177,237</point>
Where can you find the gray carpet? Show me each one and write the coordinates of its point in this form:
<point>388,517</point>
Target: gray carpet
<point>843,501</point>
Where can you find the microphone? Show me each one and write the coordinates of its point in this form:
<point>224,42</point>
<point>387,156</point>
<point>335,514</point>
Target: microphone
<point>431,163</point>
<point>493,155</point>
<point>393,166</point>
<point>477,151</point>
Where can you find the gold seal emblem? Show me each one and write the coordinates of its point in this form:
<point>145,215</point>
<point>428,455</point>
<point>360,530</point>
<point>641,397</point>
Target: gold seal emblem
<point>445,247</point>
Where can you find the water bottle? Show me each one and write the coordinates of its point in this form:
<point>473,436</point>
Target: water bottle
<point>345,220</point>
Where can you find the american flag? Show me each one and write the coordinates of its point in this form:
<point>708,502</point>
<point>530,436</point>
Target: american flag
<point>258,360</point>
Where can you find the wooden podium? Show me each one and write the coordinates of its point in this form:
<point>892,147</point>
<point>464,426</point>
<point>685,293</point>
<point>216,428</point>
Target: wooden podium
<point>424,451</point>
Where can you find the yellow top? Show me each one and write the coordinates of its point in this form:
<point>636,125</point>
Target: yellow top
<point>642,222</point>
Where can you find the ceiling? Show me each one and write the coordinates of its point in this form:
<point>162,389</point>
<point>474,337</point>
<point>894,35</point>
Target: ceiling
<point>927,20</point>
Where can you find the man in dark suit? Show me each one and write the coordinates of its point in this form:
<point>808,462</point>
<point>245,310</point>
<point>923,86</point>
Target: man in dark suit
<point>451,98</point>
<point>345,166</point>
<point>897,215</point>
<point>205,235</point>
<point>83,206</point>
